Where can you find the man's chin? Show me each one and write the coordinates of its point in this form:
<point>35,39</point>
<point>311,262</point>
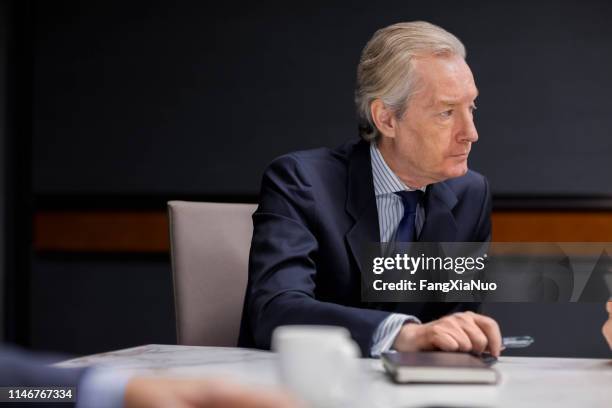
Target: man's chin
<point>457,171</point>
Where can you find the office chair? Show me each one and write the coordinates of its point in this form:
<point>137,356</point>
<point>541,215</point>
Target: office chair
<point>210,245</point>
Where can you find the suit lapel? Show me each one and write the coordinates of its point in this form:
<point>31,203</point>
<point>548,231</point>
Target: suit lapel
<point>440,224</point>
<point>361,202</point>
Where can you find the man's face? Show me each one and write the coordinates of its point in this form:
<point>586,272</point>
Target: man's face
<point>434,136</point>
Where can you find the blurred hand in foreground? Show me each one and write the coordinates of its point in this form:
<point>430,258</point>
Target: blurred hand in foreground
<point>607,327</point>
<point>154,392</point>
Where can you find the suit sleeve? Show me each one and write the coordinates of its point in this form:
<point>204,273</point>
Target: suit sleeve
<point>482,232</point>
<point>21,369</point>
<point>283,262</point>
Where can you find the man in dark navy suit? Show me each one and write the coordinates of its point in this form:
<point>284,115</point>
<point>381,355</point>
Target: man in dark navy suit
<point>406,179</point>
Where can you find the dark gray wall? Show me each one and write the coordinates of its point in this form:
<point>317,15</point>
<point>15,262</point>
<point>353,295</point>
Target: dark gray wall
<point>559,330</point>
<point>91,303</point>
<point>196,97</point>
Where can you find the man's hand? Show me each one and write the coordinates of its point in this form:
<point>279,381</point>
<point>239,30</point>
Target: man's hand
<point>154,392</point>
<point>465,331</point>
<point>607,327</point>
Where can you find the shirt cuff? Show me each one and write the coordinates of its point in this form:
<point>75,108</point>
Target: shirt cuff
<point>102,388</point>
<point>387,331</point>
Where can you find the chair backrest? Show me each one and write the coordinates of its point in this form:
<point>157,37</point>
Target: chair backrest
<point>210,250</point>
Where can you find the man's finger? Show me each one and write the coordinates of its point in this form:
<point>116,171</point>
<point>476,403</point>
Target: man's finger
<point>477,337</point>
<point>444,342</point>
<point>609,307</point>
<point>490,328</point>
<point>453,328</point>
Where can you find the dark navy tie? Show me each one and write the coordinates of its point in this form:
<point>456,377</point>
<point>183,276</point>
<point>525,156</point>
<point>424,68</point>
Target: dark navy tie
<point>406,231</point>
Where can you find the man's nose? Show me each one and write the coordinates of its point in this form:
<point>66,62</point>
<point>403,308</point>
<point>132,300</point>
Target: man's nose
<point>468,132</point>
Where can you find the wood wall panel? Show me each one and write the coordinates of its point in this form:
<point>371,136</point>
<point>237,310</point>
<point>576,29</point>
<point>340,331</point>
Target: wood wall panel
<point>101,231</point>
<point>147,231</point>
<point>552,226</point>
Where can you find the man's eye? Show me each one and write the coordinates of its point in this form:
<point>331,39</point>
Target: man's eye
<point>446,114</point>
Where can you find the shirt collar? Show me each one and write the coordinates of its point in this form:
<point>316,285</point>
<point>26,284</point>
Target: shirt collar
<point>385,180</point>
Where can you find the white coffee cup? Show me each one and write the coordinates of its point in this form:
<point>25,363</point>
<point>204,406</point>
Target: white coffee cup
<point>318,363</point>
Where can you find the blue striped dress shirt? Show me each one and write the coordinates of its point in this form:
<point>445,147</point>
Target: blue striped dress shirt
<point>390,212</point>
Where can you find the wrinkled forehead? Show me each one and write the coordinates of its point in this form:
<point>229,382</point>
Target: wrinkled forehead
<point>444,78</point>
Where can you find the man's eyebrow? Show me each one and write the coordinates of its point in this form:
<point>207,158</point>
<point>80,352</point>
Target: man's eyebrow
<point>452,101</point>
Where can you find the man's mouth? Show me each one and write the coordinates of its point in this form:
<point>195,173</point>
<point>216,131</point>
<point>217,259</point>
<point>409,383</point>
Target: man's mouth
<point>460,155</point>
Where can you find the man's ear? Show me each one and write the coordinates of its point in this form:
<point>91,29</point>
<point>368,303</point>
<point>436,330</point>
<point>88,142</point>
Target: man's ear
<point>383,118</point>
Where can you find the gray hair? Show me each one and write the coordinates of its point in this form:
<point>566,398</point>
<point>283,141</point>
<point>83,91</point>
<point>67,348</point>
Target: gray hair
<point>385,69</point>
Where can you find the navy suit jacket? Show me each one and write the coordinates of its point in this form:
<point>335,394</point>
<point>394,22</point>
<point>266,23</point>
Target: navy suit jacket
<point>317,209</point>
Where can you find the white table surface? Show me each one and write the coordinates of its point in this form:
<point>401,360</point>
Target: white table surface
<point>525,381</point>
